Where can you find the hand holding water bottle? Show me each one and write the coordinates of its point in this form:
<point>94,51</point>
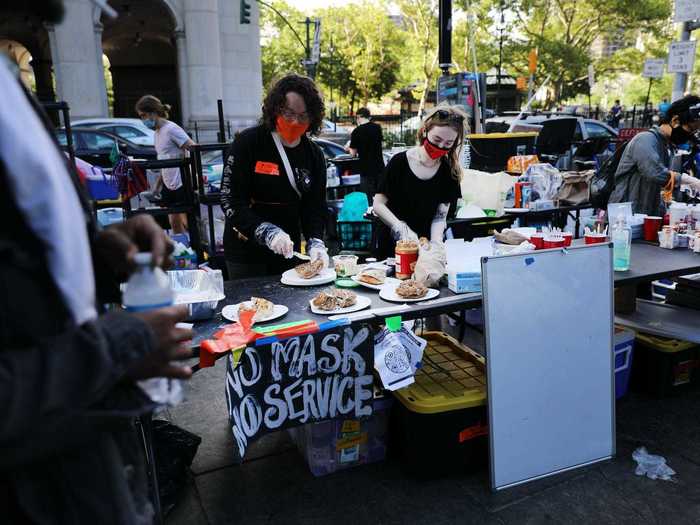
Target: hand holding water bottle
<point>149,296</point>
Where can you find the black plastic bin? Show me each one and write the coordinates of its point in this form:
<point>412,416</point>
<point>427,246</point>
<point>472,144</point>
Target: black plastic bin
<point>439,425</point>
<point>663,367</point>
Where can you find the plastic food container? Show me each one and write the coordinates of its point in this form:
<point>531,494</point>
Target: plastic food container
<point>200,290</point>
<point>338,444</point>
<point>406,258</point>
<point>351,180</point>
<point>568,238</point>
<point>345,265</point>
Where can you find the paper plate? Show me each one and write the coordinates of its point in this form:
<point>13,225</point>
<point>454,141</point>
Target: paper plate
<point>291,278</point>
<point>230,312</point>
<point>388,293</point>
<point>377,287</point>
<point>361,304</point>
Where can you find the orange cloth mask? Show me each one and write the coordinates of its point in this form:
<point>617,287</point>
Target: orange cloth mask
<point>290,130</point>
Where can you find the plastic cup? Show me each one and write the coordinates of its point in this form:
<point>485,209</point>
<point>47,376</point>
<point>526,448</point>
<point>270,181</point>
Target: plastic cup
<point>568,238</point>
<point>595,238</point>
<point>652,225</point>
<point>554,242</point>
<point>537,239</point>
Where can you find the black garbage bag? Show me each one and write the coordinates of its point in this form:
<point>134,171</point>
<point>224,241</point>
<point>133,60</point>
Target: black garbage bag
<point>174,450</point>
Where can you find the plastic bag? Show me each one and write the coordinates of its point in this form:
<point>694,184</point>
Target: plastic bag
<point>355,205</point>
<point>431,264</point>
<point>520,163</point>
<point>651,466</point>
<point>486,190</point>
<point>546,181</point>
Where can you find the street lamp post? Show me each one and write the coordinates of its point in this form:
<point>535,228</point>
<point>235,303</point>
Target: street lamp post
<point>500,59</point>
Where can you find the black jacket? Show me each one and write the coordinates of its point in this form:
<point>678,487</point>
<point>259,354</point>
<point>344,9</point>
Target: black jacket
<point>251,194</point>
<point>69,452</point>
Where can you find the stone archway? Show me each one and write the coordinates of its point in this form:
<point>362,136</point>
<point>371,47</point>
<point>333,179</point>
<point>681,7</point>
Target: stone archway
<point>24,39</point>
<point>140,45</point>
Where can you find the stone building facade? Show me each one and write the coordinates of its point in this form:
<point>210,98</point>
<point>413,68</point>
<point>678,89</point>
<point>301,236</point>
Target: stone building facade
<point>190,53</point>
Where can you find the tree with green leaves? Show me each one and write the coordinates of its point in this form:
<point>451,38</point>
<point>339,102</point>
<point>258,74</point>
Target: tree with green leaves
<point>281,51</point>
<point>364,64</point>
<point>420,24</point>
<point>563,32</point>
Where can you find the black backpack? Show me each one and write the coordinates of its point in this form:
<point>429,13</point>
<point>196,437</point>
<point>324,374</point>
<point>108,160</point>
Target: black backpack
<point>603,182</point>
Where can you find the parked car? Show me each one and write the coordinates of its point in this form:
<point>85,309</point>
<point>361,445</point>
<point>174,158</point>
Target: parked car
<point>213,163</point>
<point>332,127</point>
<point>131,129</point>
<point>587,128</point>
<point>95,146</point>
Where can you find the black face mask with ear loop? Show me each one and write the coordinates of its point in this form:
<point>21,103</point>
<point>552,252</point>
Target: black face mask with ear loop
<point>680,135</point>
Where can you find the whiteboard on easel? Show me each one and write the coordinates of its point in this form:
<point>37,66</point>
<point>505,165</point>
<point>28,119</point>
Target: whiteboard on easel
<point>549,340</point>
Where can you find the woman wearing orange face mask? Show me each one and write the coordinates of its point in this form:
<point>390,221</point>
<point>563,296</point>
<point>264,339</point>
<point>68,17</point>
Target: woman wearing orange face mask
<point>273,188</point>
<point>419,184</point>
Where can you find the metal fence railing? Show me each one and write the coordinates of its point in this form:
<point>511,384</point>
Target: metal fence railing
<point>397,130</point>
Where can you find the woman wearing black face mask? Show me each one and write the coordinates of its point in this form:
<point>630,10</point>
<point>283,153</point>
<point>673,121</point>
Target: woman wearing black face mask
<point>643,176</point>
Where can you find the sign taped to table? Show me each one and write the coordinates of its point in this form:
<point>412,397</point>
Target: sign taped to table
<point>299,380</point>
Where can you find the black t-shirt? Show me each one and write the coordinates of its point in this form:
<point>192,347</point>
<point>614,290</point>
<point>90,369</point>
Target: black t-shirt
<point>367,140</point>
<point>414,200</point>
<point>255,189</point>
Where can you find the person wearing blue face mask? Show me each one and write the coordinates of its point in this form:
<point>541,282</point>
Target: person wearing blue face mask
<point>172,142</point>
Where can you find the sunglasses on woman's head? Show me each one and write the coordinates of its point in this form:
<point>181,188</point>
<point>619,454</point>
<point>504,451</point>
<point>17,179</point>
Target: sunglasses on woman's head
<point>443,114</point>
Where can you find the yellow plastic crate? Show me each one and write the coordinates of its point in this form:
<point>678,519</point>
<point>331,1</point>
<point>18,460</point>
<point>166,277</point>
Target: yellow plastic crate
<point>664,344</point>
<point>452,377</point>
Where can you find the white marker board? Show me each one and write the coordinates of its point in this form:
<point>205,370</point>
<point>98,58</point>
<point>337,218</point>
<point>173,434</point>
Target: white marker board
<point>549,339</point>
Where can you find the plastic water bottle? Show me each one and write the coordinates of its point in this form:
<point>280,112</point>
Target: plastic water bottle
<point>149,289</point>
<point>622,246</point>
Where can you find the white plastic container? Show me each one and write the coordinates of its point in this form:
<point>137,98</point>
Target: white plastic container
<point>678,212</point>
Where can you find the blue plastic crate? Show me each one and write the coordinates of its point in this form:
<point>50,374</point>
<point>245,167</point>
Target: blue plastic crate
<point>355,235</point>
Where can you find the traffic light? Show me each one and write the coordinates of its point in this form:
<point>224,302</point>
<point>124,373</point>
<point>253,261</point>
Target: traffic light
<point>245,12</point>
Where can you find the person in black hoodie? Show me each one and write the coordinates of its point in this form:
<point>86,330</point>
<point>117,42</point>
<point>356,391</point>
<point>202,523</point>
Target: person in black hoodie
<point>69,448</point>
<point>273,187</point>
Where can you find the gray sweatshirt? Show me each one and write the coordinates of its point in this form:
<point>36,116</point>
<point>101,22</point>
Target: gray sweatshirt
<point>643,172</point>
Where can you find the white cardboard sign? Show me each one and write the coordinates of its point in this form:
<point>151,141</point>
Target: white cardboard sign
<point>654,68</point>
<point>681,57</point>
